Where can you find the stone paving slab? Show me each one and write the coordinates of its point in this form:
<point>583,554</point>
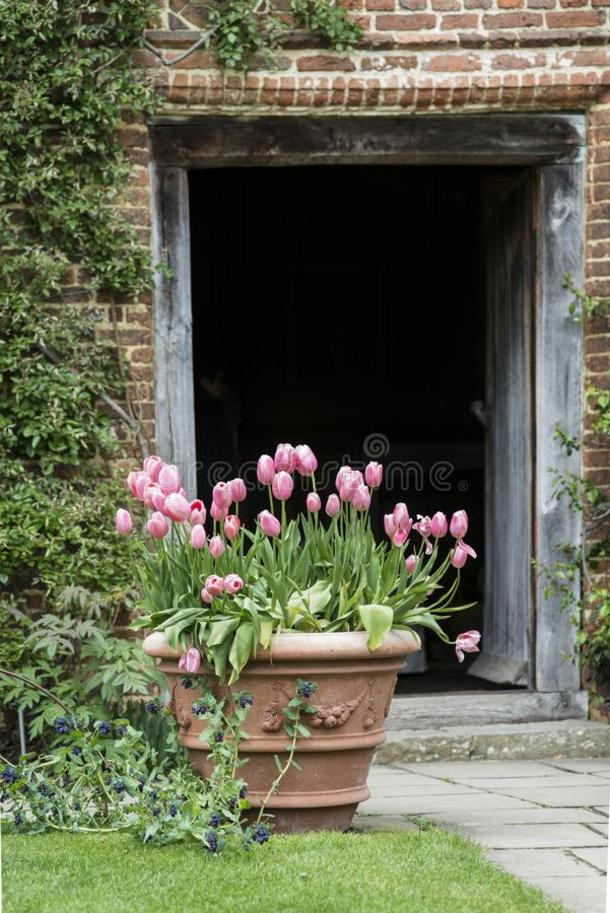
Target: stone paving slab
<point>545,821</point>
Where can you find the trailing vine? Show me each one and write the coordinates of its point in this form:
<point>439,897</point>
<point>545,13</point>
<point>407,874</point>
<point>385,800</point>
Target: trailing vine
<point>579,578</point>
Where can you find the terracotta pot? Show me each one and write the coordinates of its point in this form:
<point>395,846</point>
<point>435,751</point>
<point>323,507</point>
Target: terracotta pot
<point>355,688</point>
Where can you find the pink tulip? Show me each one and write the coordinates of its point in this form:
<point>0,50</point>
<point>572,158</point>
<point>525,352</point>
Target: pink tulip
<point>158,499</point>
<point>313,502</point>
<point>423,526</point>
<point>131,482</point>
<point>152,465</point>
<point>389,525</point>
<point>305,460</point>
<point>265,469</point>
<point>198,537</point>
<point>401,517</point>
<point>410,563</point>
<point>222,495</point>
<point>190,661</point>
<point>468,549</point>
<point>400,537</point>
<point>458,557</point>
<point>238,490</point>
<point>333,506</point>
<point>150,490</point>
<point>285,458</point>
<point>142,480</point>
<point>214,585</point>
<point>169,478</point>
<point>216,547</point>
<point>197,504</point>
<point>362,498</point>
<point>177,507</point>
<point>206,596</point>
<point>282,485</point>
<point>231,527</point>
<point>459,524</point>
<point>466,643</point>
<point>373,474</point>
<point>123,522</point>
<point>157,525</point>
<point>233,583</point>
<point>198,517</point>
<point>438,525</point>
<point>269,524</point>
<point>350,481</point>
<point>217,512</point>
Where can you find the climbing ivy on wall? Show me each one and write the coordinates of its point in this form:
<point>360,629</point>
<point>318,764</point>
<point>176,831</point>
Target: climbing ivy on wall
<point>586,565</point>
<point>66,85</point>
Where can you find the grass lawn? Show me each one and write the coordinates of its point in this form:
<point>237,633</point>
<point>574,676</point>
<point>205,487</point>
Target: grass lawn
<point>430,871</point>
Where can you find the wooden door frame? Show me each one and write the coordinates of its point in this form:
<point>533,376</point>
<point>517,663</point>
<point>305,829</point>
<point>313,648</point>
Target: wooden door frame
<point>552,144</point>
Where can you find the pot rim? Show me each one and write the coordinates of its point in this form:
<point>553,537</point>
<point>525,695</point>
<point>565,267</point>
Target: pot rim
<point>320,646</point>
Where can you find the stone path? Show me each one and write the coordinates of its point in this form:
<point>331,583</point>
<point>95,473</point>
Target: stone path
<point>544,821</point>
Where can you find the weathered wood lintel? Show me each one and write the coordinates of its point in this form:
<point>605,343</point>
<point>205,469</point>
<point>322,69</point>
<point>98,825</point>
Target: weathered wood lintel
<point>502,139</point>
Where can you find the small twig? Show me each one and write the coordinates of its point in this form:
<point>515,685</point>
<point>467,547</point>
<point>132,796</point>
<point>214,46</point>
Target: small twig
<point>104,66</point>
<point>33,684</point>
<point>203,38</point>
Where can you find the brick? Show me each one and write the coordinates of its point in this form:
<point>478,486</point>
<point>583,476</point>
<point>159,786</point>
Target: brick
<point>460,21</point>
<point>389,62</point>
<point>573,19</point>
<point>325,62</point>
<point>518,61</point>
<point>406,21</point>
<point>382,5</point>
<point>512,20</point>
<point>413,4</point>
<point>453,63</point>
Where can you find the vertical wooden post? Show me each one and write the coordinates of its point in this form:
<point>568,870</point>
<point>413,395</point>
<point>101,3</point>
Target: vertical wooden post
<point>558,403</point>
<point>173,325</point>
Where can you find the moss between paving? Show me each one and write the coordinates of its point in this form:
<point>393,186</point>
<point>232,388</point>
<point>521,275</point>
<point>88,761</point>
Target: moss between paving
<point>427,871</point>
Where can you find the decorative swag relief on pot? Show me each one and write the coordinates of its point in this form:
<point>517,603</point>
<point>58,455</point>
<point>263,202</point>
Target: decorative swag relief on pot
<point>308,599</point>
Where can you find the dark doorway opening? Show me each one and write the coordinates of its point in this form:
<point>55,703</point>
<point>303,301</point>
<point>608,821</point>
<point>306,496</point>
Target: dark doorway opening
<point>344,306</point>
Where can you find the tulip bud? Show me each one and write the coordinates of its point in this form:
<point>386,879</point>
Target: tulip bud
<point>216,547</point>
<point>217,512</point>
<point>222,495</point>
<point>214,585</point>
<point>389,525</point>
<point>190,661</point>
<point>438,525</point>
<point>466,643</point>
<point>198,517</point>
<point>132,478</point>
<point>158,498</point>
<point>459,524</point>
<point>373,474</point>
<point>458,557</point>
<point>206,596</point>
<point>269,524</point>
<point>400,537</point>
<point>177,507</point>
<point>169,478</point>
<point>150,490</point>
<point>233,583</point>
<point>123,522</point>
<point>333,506</point>
<point>157,525</point>
<point>198,537</point>
<point>238,490</point>
<point>313,502</point>
<point>305,460</point>
<point>401,517</point>
<point>231,527</point>
<point>152,465</point>
<point>265,469</point>
<point>285,458</point>
<point>362,498</point>
<point>423,526</point>
<point>410,563</point>
<point>282,485</point>
<point>341,476</point>
<point>142,480</point>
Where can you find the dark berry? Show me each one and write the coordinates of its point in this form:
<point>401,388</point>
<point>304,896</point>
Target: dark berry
<point>118,786</point>
<point>173,810</point>
<point>104,728</point>
<point>306,689</point>
<point>187,681</point>
<point>151,707</point>
<point>9,775</point>
<point>219,737</point>
<point>243,792</point>
<point>76,806</point>
<point>155,812</point>
<point>62,725</point>
<point>200,708</point>
<point>245,700</point>
<point>121,730</point>
<point>17,818</point>
<point>215,819</point>
<point>212,841</point>
<point>76,750</point>
<point>260,834</point>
